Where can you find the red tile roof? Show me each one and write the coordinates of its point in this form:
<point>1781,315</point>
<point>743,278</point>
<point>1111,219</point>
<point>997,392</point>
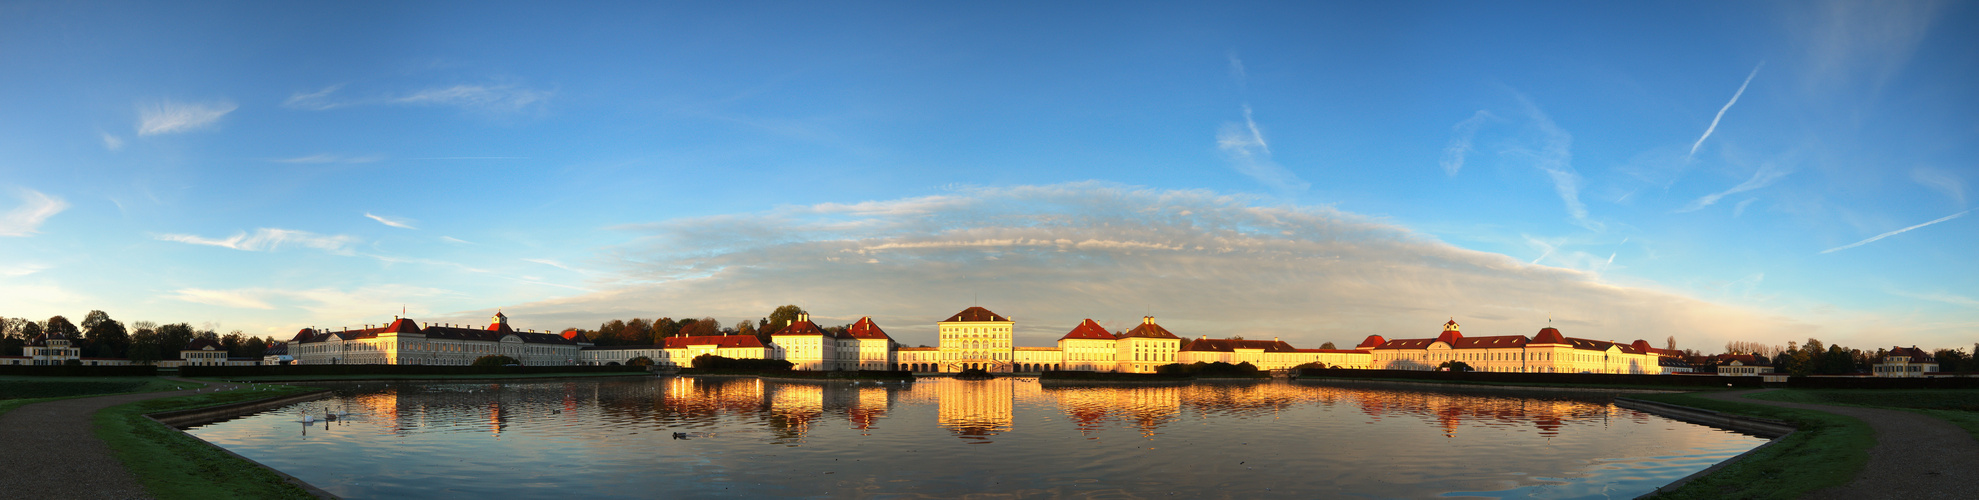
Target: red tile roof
<point>865,328</point>
<point>1916,355</point>
<point>1088,330</point>
<point>1372,341</point>
<point>576,336</point>
<point>799,327</point>
<point>1231,345</point>
<point>975,314</point>
<point>715,340</point>
<point>1548,335</point>
<point>1494,342</point>
<point>203,343</point>
<point>1147,329</point>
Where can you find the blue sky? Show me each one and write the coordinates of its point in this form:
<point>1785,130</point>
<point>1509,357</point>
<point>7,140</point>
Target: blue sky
<point>1709,171</point>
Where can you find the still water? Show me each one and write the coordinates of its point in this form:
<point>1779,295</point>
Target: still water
<point>1003,438</point>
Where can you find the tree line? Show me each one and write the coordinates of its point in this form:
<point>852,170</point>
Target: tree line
<point>1815,358</point>
<point>640,331</point>
<point>99,336</point>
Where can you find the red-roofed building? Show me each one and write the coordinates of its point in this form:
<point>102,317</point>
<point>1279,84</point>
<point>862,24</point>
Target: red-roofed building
<point>1906,362</point>
<point>1546,352</point>
<point>1088,347</point>
<point>868,347</point>
<point>406,342</point>
<point>976,339</point>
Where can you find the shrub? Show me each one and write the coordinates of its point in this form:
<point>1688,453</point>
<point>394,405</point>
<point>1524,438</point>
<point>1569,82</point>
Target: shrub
<point>722,363</point>
<point>639,361</point>
<point>1217,369</point>
<point>1454,366</point>
<point>495,360</point>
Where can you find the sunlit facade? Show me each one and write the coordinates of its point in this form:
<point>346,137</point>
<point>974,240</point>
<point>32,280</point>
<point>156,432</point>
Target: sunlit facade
<point>405,342</point>
<point>1547,352</point>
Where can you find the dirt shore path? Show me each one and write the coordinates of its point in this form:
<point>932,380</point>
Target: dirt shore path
<point>1915,456</point>
<point>49,450</point>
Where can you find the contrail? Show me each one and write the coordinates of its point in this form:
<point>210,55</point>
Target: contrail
<point>1893,233</point>
<point>1728,107</point>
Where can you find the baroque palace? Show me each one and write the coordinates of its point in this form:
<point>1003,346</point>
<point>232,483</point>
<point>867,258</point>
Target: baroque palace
<point>980,339</point>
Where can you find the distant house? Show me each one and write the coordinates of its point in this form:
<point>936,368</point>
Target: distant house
<point>1906,362</point>
<point>53,349</point>
<point>1742,365</point>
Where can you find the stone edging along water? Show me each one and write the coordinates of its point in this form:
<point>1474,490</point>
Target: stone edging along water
<point>179,420</point>
<point>1774,430</point>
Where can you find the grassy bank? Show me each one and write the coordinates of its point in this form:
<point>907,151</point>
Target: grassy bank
<point>1828,450</point>
<point>497,376</point>
<point>16,391</point>
<point>171,464</point>
<point>1958,406</point>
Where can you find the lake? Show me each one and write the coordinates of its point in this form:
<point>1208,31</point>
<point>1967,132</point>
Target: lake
<point>937,437</point>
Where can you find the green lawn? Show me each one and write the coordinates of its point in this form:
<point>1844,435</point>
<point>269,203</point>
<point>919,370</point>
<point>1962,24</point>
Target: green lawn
<point>1958,406</point>
<point>303,378</point>
<point>173,464</point>
<point>16,391</point>
<point>1828,450</point>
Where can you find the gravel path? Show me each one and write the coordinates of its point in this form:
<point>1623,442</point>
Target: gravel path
<point>50,450</point>
<point>1915,456</point>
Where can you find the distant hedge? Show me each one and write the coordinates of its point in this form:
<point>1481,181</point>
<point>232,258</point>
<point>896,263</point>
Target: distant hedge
<point>1882,383</point>
<point>312,370</point>
<point>1540,378</point>
<point>1213,370</point>
<point>710,362</point>
<point>80,371</point>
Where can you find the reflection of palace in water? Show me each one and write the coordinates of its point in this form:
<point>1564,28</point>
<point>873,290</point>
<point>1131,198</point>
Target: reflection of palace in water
<point>974,410</point>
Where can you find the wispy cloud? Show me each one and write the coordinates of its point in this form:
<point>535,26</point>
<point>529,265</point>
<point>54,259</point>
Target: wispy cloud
<point>398,222</point>
<point>1948,298</point>
<point>1739,209</point>
<point>1237,71</point>
<point>555,264</point>
<point>491,98</point>
<point>23,269</point>
<point>1205,262</point>
<point>1251,156</point>
<point>1555,157</point>
<point>1940,181</point>
<point>326,158</point>
<point>1767,174</point>
<point>1721,111</point>
<point>112,142</point>
<point>35,208</point>
<point>165,117</point>
<point>315,101</point>
<point>1893,233</point>
<point>1460,141</point>
<point>222,298</point>
<point>270,239</point>
<point>451,239</point>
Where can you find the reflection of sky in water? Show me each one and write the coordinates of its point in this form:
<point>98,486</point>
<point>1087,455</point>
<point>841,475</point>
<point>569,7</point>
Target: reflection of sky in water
<point>946,438</point>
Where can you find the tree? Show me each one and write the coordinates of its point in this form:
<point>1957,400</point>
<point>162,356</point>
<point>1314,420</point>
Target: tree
<point>144,343</point>
<point>781,318</point>
<point>495,360</point>
<point>637,332</point>
<point>663,328</point>
<point>61,325</point>
<point>1670,343</point>
<point>701,327</point>
<point>608,333</point>
<point>639,361</point>
<point>1328,345</point>
<point>232,343</point>
<point>172,338</point>
<point>107,337</point>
